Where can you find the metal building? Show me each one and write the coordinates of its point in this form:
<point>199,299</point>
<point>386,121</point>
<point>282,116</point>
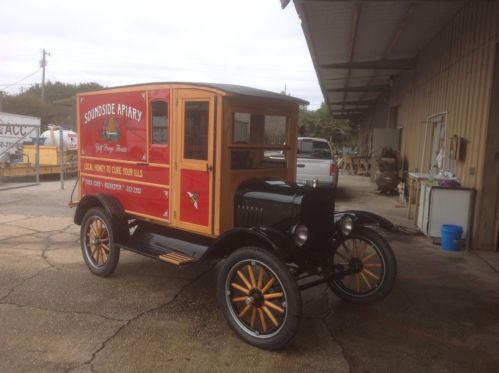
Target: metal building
<point>430,68</point>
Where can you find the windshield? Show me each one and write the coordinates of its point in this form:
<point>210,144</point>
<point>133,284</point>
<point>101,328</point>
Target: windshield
<point>308,148</point>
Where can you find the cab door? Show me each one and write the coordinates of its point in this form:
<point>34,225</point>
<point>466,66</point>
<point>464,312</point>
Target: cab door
<point>194,169</point>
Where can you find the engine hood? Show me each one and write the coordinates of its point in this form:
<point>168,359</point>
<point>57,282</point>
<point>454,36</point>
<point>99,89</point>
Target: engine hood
<point>280,205</point>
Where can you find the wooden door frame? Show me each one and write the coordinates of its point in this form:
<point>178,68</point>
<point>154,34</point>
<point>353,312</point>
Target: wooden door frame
<point>183,95</point>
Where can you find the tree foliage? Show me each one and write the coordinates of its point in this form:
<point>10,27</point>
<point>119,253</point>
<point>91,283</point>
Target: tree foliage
<point>29,102</point>
<point>319,123</point>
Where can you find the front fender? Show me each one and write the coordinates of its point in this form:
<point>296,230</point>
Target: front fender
<point>366,218</point>
<point>264,237</point>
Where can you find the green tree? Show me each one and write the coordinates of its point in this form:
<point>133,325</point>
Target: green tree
<point>29,101</point>
<point>319,123</point>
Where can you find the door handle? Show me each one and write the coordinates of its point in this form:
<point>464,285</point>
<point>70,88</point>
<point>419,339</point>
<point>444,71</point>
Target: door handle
<point>300,165</point>
<point>209,168</point>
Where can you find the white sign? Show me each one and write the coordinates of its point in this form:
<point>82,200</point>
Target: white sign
<point>14,128</point>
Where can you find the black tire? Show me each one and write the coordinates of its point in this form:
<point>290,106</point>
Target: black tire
<point>98,247</point>
<point>373,263</point>
<point>246,304</point>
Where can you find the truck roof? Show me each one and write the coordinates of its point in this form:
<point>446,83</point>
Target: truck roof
<point>226,88</point>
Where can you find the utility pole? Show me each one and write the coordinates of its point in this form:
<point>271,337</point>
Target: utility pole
<point>43,64</point>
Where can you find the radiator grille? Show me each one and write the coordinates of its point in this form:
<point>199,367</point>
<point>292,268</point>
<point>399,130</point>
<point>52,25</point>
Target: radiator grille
<point>249,216</point>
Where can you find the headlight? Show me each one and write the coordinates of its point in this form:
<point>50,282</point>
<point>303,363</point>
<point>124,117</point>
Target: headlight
<point>301,234</point>
<point>346,225</point>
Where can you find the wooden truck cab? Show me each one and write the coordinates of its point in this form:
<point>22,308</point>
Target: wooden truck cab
<point>173,154</point>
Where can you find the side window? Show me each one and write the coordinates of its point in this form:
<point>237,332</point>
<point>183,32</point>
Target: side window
<point>159,125</point>
<point>259,141</point>
<point>196,122</point>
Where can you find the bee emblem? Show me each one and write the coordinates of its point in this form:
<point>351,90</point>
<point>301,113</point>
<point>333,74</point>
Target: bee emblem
<point>110,129</point>
<point>194,197</point>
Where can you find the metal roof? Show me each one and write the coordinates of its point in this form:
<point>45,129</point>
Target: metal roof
<point>359,47</point>
<point>226,88</point>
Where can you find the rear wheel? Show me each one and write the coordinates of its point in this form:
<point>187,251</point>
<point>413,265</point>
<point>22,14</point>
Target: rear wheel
<point>97,243</point>
<point>259,297</point>
<point>371,267</point>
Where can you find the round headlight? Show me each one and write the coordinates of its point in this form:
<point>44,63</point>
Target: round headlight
<point>346,225</point>
<point>301,234</point>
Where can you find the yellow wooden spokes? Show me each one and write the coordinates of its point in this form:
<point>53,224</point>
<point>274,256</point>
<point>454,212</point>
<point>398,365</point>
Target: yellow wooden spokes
<point>262,319</point>
<point>260,279</point>
<point>369,273</point>
<point>254,283</point>
<point>268,285</point>
<point>273,295</point>
<point>245,309</point>
<point>369,276</point>
<point>99,251</point>
<point>242,277</point>
<point>253,317</point>
<point>239,287</point>
<point>274,306</point>
<point>252,276</point>
<point>270,315</point>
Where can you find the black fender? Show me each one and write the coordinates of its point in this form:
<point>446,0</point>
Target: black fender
<point>366,218</point>
<point>113,208</point>
<point>264,237</point>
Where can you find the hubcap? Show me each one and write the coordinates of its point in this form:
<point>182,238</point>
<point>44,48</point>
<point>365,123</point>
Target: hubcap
<point>256,298</point>
<point>97,241</point>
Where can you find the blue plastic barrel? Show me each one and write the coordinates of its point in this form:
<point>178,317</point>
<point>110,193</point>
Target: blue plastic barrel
<point>451,235</point>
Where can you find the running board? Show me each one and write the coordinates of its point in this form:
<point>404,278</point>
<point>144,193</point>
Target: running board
<point>168,249</point>
<point>175,258</point>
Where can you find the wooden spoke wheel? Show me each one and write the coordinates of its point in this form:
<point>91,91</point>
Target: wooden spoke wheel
<point>97,243</point>
<point>260,298</point>
<point>370,264</point>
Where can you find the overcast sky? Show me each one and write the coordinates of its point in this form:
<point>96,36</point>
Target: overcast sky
<point>247,42</point>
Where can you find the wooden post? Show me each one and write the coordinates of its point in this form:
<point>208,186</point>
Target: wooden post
<point>61,156</point>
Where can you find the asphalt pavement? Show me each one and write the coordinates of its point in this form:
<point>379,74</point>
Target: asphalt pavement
<point>55,316</point>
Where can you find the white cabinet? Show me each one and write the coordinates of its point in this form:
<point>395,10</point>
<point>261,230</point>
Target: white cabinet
<point>438,205</point>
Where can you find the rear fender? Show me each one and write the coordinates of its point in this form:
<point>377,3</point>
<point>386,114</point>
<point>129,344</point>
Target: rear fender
<point>113,208</point>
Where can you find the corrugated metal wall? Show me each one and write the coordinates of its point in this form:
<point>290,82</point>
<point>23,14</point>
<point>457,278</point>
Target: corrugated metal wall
<point>453,76</point>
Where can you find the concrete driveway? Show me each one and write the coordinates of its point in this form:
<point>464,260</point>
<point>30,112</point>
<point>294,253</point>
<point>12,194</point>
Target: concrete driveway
<point>443,314</point>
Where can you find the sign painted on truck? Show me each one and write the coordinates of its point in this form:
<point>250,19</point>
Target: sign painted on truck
<point>114,158</point>
<point>114,126</point>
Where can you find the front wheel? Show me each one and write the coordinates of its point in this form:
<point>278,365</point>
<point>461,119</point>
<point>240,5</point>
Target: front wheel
<point>259,297</point>
<point>368,268</point>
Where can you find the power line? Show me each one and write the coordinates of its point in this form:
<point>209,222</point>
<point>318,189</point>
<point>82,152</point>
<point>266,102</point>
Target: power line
<point>20,80</point>
<point>1,85</point>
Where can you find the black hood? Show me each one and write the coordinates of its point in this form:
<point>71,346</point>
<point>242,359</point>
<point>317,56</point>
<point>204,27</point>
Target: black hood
<point>280,205</point>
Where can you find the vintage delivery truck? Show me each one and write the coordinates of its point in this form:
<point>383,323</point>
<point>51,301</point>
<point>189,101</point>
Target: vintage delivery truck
<point>185,172</point>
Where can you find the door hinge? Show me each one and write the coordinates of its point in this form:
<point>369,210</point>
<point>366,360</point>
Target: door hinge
<point>174,214</point>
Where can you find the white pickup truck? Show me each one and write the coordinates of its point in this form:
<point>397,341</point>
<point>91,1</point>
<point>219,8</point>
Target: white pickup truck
<point>315,162</point>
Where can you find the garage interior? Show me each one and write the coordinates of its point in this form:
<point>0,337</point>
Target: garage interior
<point>425,73</point>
